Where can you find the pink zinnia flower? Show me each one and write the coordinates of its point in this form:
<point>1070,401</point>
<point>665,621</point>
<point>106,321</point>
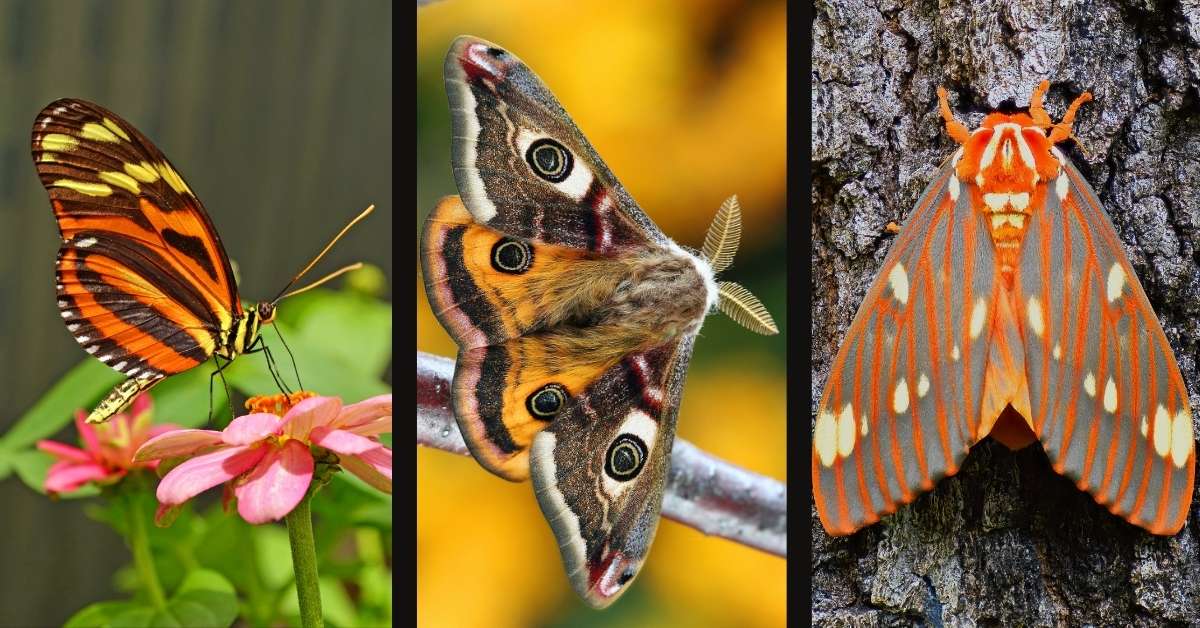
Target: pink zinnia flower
<point>266,459</point>
<point>108,448</point>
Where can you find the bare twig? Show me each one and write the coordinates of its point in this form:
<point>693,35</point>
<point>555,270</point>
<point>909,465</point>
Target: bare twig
<point>703,492</point>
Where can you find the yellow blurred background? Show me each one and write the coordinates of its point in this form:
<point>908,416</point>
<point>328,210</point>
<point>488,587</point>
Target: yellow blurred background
<point>686,103</point>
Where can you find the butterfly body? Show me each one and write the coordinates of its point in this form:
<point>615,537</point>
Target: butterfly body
<point>1005,308</point>
<point>574,315</point>
<point>142,279</point>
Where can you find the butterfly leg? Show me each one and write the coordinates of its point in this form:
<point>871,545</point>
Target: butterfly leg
<point>228,394</point>
<point>259,346</point>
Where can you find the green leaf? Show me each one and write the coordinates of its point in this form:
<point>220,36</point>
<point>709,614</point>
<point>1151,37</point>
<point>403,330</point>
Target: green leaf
<point>81,387</point>
<point>31,466</point>
<point>356,329</point>
<point>205,598</point>
<point>105,614</point>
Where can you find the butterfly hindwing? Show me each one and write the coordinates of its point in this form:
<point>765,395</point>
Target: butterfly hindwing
<point>521,165</point>
<point>599,469</point>
<point>897,413</point>
<point>1111,407</point>
<point>143,281</point>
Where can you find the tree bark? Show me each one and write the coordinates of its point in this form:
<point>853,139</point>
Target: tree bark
<point>1006,541</point>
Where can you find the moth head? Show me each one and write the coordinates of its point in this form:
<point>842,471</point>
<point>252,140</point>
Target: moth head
<point>720,245</point>
<point>1010,153</point>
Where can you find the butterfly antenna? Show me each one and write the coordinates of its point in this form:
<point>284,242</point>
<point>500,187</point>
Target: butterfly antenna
<point>316,259</point>
<point>293,357</point>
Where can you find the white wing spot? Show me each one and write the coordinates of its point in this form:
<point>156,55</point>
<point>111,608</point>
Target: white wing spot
<point>67,313</point>
<point>900,397</point>
<point>978,314</point>
<point>82,339</point>
<point>120,366</point>
<point>1116,281</point>
<point>1110,396</point>
<point>1037,318</point>
<point>1061,185</point>
<point>954,187</point>
<point>1089,384</point>
<point>72,327</point>
<point>84,243</point>
<point>898,279</point>
<point>131,372</point>
<point>92,349</point>
<point>922,386</point>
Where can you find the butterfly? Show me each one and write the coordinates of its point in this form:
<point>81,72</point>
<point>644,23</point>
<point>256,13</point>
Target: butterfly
<point>573,313</point>
<point>1008,308</point>
<point>143,282</point>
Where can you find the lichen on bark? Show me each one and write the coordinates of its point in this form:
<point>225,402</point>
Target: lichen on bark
<point>1006,541</point>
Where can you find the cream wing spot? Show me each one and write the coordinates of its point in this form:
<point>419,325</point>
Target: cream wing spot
<point>1116,281</point>
<point>1061,185</point>
<point>954,187</point>
<point>955,353</point>
<point>1162,431</point>
<point>978,316</point>
<point>1057,351</point>
<point>922,386</point>
<point>1019,201</point>
<point>900,397</point>
<point>1037,318</point>
<point>1182,439</point>
<point>845,428</point>
<point>898,280</point>
<point>1145,426</point>
<point>863,426</point>
<point>1089,384</point>
<point>1110,396</point>
<point>825,437</point>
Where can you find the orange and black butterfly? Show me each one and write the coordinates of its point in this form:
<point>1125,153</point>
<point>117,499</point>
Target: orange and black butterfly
<point>143,282</point>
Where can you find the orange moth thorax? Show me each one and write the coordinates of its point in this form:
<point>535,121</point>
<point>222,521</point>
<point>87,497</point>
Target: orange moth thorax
<point>1008,163</point>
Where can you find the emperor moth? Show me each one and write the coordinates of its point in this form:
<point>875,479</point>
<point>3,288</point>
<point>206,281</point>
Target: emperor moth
<point>1005,308</point>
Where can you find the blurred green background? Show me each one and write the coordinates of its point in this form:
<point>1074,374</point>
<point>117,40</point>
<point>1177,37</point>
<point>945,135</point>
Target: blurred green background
<point>278,114</point>
<point>686,103</point>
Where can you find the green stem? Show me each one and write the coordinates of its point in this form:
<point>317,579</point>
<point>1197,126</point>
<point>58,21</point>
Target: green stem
<point>139,544</point>
<point>304,563</point>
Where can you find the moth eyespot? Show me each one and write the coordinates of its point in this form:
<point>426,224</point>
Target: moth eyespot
<point>511,256</point>
<point>495,52</point>
<point>549,160</point>
<point>625,577</point>
<point>547,401</point>
<point>625,458</point>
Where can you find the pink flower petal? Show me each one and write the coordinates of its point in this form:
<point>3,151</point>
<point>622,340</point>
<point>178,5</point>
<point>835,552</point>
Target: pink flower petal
<point>276,484</point>
<point>251,428</point>
<point>375,427</point>
<point>176,443</point>
<point>342,442</point>
<point>63,451</point>
<point>310,413</point>
<point>374,467</point>
<point>203,472</point>
<point>87,433</point>
<point>65,477</point>
<point>160,429</point>
<point>365,411</point>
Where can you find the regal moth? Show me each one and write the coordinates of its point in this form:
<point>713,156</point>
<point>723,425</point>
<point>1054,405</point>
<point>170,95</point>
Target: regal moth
<point>1006,307</point>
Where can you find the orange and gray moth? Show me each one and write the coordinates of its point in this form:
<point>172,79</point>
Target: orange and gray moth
<point>1006,307</point>
<point>574,315</point>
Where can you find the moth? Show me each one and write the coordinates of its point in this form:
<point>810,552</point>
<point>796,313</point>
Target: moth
<point>1008,308</point>
<point>142,279</point>
<point>573,313</point>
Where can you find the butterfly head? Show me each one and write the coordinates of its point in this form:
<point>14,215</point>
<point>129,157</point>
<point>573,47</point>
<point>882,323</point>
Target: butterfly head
<point>265,312</point>
<point>720,245</point>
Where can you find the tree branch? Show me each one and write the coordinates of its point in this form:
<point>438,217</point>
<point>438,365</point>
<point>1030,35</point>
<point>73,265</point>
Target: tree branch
<point>703,492</point>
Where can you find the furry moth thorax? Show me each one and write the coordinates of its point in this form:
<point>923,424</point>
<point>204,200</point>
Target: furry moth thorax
<point>574,315</point>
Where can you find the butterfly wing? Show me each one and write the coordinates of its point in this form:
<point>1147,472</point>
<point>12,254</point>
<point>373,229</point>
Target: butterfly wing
<point>600,468</point>
<point>522,166</point>
<point>902,403</point>
<point>1108,402</point>
<point>143,281</point>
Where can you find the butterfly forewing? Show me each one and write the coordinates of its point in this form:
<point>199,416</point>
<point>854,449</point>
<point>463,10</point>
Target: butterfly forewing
<point>143,282</point>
